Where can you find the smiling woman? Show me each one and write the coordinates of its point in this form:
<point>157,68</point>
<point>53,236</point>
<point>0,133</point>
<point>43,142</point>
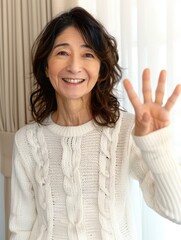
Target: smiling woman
<point>78,50</point>
<point>72,166</point>
<point>73,69</point>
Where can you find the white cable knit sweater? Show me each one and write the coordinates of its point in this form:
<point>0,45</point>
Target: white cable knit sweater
<point>73,182</point>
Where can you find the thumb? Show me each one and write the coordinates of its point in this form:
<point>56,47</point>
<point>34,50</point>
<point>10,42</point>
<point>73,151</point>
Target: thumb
<point>145,118</point>
<point>142,126</point>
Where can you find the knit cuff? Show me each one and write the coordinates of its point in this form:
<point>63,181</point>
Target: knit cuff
<point>157,150</point>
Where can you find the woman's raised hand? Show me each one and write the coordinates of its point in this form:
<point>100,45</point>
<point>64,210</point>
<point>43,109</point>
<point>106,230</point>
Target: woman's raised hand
<point>151,115</point>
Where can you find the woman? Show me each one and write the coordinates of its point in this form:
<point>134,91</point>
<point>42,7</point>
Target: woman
<point>71,167</point>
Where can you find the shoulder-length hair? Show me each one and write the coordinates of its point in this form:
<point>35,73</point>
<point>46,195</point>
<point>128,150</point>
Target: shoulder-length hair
<point>104,104</point>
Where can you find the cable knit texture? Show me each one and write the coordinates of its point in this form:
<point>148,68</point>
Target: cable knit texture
<point>73,182</point>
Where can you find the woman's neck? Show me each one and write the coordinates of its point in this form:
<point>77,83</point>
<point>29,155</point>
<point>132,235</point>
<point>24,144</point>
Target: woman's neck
<point>72,113</point>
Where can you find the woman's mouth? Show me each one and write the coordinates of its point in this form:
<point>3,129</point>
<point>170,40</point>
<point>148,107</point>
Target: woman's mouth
<point>73,80</point>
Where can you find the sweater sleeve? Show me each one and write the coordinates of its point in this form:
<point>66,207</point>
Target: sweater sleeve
<point>23,210</point>
<point>159,174</point>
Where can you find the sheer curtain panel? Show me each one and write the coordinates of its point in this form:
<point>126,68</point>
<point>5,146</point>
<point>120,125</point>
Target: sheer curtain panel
<point>148,33</point>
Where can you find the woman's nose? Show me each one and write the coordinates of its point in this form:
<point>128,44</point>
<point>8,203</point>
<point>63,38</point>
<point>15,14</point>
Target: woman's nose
<point>74,64</point>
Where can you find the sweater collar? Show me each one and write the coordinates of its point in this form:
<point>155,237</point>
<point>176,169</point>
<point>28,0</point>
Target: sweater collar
<point>70,131</point>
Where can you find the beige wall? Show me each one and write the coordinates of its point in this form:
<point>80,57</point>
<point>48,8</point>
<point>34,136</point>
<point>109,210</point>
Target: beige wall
<point>6,143</point>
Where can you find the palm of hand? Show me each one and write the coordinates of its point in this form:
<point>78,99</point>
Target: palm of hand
<point>151,115</point>
<point>157,116</point>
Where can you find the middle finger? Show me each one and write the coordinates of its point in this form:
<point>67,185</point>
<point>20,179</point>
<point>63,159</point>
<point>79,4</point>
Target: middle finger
<point>147,93</point>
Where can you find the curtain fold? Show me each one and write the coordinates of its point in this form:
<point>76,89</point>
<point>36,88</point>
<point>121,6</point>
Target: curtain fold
<point>20,23</point>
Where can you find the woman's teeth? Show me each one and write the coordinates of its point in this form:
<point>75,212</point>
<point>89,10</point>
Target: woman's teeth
<point>73,80</point>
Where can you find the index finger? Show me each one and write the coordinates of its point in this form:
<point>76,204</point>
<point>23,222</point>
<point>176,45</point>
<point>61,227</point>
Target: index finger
<point>132,95</point>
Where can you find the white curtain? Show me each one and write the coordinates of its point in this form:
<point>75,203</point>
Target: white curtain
<point>148,33</point>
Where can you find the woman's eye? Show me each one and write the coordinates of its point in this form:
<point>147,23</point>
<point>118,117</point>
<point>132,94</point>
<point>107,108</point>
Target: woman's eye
<point>89,55</point>
<point>63,53</point>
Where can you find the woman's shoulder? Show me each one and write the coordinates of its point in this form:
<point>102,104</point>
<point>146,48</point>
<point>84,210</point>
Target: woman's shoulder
<point>22,132</point>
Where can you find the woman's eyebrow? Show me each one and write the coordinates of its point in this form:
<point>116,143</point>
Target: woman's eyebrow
<point>67,44</point>
<point>60,45</point>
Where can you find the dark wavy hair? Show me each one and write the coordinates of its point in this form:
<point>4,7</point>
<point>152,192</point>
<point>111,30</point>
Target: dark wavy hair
<point>105,106</point>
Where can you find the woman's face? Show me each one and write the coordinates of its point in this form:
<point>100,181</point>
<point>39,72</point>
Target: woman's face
<point>73,67</point>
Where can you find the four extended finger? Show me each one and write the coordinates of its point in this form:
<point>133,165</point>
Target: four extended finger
<point>134,99</point>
